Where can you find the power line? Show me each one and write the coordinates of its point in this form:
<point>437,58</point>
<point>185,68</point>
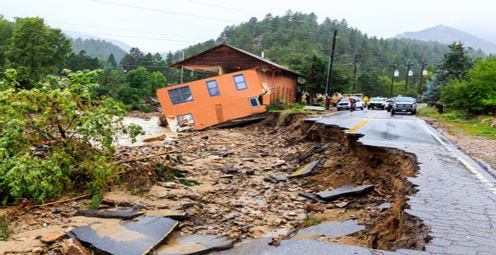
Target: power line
<point>128,36</point>
<point>192,15</point>
<point>119,29</point>
<point>164,11</point>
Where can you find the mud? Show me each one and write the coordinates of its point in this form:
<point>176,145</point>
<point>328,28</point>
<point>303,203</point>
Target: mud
<point>243,206</point>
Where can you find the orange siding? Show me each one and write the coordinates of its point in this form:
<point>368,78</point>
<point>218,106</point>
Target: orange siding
<point>210,110</point>
<point>282,88</point>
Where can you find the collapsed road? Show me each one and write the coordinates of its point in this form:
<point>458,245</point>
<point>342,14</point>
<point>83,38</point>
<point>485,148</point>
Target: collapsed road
<point>456,198</point>
<point>260,184</point>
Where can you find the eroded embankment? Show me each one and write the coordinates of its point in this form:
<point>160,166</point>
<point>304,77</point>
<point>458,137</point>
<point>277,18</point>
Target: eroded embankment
<point>349,162</point>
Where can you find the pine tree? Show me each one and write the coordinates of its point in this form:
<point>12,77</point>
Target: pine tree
<point>111,61</point>
<point>455,65</point>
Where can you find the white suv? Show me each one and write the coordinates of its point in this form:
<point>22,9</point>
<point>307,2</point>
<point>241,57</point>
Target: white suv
<point>344,104</point>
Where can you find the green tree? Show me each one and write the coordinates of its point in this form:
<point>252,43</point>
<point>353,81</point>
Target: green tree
<point>132,60</point>
<point>57,136</point>
<point>81,61</point>
<point>111,61</point>
<point>372,85</point>
<point>36,50</point>
<point>6,31</point>
<point>476,93</point>
<point>157,80</point>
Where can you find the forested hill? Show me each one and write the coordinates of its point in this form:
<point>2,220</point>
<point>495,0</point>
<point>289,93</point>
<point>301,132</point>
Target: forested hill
<point>296,36</point>
<point>97,48</point>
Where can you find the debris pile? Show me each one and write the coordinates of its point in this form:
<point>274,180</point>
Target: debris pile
<point>224,186</point>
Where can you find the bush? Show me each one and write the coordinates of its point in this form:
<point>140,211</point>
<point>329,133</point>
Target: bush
<point>57,136</point>
<point>477,93</point>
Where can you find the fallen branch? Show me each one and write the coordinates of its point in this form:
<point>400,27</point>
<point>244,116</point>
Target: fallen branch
<point>29,207</point>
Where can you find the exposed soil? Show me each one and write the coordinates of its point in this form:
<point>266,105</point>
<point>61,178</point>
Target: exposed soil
<point>242,204</point>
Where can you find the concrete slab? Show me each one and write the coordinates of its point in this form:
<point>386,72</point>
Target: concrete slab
<point>345,191</point>
<point>305,170</point>
<point>126,237</point>
<point>195,245</point>
<point>330,229</point>
<point>249,247</point>
<point>121,213</point>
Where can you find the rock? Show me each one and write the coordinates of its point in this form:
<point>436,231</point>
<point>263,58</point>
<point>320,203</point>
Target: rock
<point>384,206</point>
<point>279,162</point>
<point>154,139</point>
<point>342,204</point>
<point>228,170</point>
<point>278,177</point>
<point>140,207</point>
<point>72,246</point>
<point>259,231</point>
<point>52,238</point>
<point>345,191</point>
<point>250,172</point>
<point>273,220</point>
<point>314,208</point>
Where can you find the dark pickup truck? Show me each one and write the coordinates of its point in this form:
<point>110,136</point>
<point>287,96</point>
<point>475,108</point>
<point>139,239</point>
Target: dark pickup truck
<point>404,104</point>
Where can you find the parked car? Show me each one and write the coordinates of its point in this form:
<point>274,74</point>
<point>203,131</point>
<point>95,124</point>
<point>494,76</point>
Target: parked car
<point>389,104</point>
<point>344,104</point>
<point>377,103</point>
<point>404,104</point>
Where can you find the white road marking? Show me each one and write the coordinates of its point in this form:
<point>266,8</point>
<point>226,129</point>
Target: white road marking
<point>464,162</point>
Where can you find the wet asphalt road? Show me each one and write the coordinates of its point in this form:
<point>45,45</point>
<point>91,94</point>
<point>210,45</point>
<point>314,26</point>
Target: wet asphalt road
<point>456,198</point>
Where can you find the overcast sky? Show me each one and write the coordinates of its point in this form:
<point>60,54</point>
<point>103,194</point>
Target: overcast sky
<point>160,26</point>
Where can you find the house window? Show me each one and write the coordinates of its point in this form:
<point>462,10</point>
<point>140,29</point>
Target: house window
<point>185,120</point>
<point>180,95</point>
<point>240,82</point>
<point>254,102</point>
<point>213,88</point>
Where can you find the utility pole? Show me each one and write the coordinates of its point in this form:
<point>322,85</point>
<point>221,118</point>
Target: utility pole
<point>182,70</point>
<point>422,68</point>
<point>394,66</point>
<point>329,74</point>
<point>408,66</point>
<point>355,65</point>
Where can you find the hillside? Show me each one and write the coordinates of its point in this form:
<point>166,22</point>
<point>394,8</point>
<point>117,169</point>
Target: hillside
<point>97,48</point>
<point>289,38</point>
<point>447,35</point>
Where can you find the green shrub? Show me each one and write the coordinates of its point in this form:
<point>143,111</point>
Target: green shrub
<point>57,136</point>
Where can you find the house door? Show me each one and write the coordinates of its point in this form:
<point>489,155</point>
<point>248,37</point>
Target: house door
<point>218,112</point>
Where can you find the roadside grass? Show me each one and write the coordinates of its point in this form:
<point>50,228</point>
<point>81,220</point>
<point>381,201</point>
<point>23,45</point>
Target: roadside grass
<point>288,108</point>
<point>459,123</point>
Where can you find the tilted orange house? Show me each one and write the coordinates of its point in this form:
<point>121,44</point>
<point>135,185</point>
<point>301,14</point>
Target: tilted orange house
<point>243,84</point>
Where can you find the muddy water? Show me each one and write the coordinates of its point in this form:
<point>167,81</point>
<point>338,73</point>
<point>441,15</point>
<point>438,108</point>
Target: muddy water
<point>151,128</point>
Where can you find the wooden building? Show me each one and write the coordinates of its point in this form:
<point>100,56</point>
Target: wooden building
<point>241,85</point>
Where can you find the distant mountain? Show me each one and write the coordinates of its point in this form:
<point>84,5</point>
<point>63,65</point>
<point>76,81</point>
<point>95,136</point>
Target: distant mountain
<point>447,35</point>
<point>99,47</point>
